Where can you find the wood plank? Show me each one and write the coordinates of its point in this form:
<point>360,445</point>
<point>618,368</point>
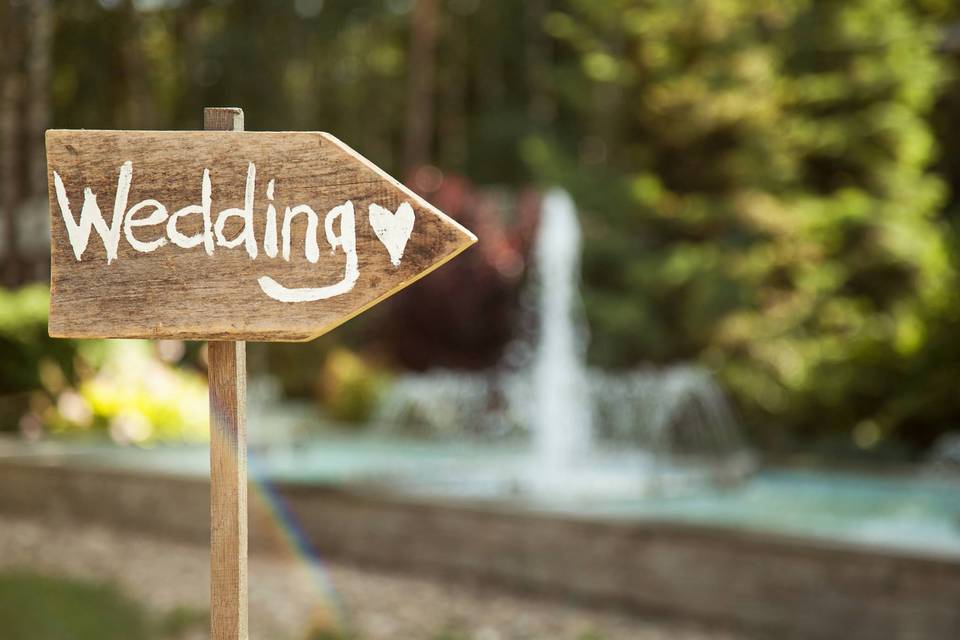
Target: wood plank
<point>222,119</point>
<point>228,490</point>
<point>227,379</point>
<point>215,292</point>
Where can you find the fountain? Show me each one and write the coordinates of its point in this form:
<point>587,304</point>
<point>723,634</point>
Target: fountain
<point>560,415</point>
<point>591,433</point>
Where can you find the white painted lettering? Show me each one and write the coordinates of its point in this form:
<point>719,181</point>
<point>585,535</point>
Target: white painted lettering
<point>347,240</point>
<point>206,235</point>
<point>90,215</point>
<point>270,232</point>
<point>157,216</point>
<point>246,236</point>
<point>393,229</point>
<point>310,248</point>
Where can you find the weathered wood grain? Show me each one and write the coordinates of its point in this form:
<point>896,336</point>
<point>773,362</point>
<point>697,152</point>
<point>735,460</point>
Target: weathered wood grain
<point>175,292</point>
<point>227,380</point>
<point>222,119</point>
<point>228,490</point>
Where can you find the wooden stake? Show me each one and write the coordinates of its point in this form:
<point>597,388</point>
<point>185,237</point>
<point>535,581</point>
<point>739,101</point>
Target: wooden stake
<point>227,375</point>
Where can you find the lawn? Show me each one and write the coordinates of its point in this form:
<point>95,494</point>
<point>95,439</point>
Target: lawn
<point>35,607</point>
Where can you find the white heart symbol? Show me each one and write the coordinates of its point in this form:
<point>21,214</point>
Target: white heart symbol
<point>393,229</point>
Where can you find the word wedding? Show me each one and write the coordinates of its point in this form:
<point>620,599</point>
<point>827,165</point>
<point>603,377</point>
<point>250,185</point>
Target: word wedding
<point>393,229</point>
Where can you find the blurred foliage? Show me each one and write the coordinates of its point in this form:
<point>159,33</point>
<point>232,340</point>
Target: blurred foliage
<point>767,186</point>
<point>324,633</point>
<point>34,607</point>
<point>27,349</point>
<point>31,361</point>
<point>759,196</point>
<point>350,386</point>
<point>465,314</point>
<point>346,384</point>
<point>121,388</point>
<point>136,398</point>
<point>183,622</point>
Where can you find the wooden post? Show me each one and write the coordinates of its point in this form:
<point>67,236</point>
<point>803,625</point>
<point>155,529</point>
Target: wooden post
<point>227,375</point>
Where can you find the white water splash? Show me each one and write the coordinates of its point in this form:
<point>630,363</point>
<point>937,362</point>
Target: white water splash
<point>560,413</point>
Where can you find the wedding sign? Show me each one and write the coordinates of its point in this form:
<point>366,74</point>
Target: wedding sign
<point>228,235</point>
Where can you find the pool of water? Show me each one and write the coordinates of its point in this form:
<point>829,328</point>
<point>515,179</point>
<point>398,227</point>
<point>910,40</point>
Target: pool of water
<point>918,512</point>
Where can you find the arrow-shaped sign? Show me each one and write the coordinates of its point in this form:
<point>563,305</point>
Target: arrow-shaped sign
<point>212,235</point>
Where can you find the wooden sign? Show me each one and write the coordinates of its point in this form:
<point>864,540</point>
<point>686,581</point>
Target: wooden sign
<point>228,235</point>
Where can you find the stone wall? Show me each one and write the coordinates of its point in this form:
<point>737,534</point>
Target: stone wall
<point>775,586</point>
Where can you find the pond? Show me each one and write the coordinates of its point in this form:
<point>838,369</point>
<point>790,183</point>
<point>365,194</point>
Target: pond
<point>917,512</point>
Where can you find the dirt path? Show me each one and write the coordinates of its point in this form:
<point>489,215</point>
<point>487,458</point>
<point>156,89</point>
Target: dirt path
<point>288,598</point>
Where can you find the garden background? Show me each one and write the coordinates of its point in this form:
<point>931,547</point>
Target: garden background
<point>768,187</point>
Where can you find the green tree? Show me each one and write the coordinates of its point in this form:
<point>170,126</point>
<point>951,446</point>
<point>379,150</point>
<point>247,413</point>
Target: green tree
<point>757,177</point>
<point>757,182</point>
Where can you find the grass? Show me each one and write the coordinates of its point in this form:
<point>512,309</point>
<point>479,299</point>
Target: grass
<point>35,607</point>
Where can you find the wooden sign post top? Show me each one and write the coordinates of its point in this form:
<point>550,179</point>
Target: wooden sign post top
<point>228,235</point>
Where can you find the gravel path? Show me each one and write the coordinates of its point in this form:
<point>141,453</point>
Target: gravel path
<point>287,598</point>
